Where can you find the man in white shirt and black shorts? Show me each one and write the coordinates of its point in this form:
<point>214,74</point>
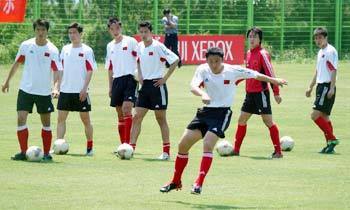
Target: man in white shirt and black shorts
<point>325,76</point>
<point>121,65</point>
<point>78,63</point>
<point>40,59</point>
<point>153,94</point>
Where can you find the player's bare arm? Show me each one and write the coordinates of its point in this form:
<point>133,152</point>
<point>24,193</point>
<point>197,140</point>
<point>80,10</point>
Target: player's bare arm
<point>83,92</point>
<point>199,92</point>
<point>57,76</point>
<point>276,81</point>
<point>332,87</point>
<point>312,84</point>
<point>110,81</point>
<point>6,86</point>
<point>163,80</point>
<point>139,73</point>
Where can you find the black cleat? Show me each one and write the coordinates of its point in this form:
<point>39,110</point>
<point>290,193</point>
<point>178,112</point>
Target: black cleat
<point>331,145</point>
<point>19,156</point>
<point>323,151</point>
<point>196,189</point>
<point>276,155</point>
<point>234,153</point>
<point>47,158</point>
<point>170,186</point>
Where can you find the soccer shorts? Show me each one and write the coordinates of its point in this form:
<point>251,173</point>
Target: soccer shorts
<point>151,97</point>
<point>123,89</point>
<point>322,102</point>
<point>257,103</point>
<point>71,102</point>
<point>26,101</point>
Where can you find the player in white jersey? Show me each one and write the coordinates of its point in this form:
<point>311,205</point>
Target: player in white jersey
<point>40,58</point>
<point>219,82</point>
<point>325,77</point>
<point>121,66</point>
<point>78,64</point>
<point>153,94</point>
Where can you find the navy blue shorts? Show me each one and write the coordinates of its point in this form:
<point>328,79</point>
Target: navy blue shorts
<point>257,103</point>
<point>322,102</point>
<point>153,98</point>
<point>123,89</point>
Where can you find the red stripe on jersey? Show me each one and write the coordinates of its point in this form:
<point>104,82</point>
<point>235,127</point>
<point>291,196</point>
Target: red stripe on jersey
<point>239,81</point>
<point>134,53</point>
<point>54,66</point>
<point>226,82</point>
<point>330,66</point>
<point>150,53</point>
<point>110,67</point>
<point>21,59</point>
<point>162,59</point>
<point>88,66</point>
<point>47,54</point>
<point>125,48</point>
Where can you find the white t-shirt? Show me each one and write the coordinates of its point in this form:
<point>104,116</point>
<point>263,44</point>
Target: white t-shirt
<point>152,59</point>
<point>121,57</point>
<point>38,62</point>
<point>221,87</point>
<point>76,63</point>
<point>327,61</point>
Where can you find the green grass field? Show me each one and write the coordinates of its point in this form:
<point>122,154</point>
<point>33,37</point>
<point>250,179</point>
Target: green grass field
<point>303,179</point>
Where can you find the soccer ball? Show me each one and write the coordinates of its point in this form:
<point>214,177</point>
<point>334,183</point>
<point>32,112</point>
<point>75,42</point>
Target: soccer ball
<point>125,151</point>
<point>224,148</point>
<point>287,143</point>
<point>60,147</point>
<point>34,154</point>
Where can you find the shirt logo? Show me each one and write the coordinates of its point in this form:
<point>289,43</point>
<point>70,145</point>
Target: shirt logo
<point>214,129</point>
<point>31,51</point>
<point>150,53</point>
<point>323,56</point>
<point>226,82</point>
<point>157,106</point>
<point>47,54</point>
<point>81,54</point>
<point>84,108</point>
<point>206,80</point>
<point>125,48</point>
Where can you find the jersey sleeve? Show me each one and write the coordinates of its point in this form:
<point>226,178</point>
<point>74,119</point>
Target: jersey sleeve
<point>332,61</point>
<point>197,80</point>
<point>90,61</point>
<point>134,47</point>
<point>164,21</point>
<point>268,69</point>
<point>61,59</point>
<point>241,73</point>
<point>55,61</point>
<point>166,54</point>
<point>21,54</point>
<point>108,61</point>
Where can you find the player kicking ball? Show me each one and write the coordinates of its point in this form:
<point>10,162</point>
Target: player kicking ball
<point>78,64</point>
<point>214,82</point>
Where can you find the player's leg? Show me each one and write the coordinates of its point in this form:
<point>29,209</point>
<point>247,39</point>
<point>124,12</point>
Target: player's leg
<point>209,142</point>
<point>46,134</point>
<point>61,123</point>
<point>241,131</point>
<point>188,139</point>
<point>22,135</point>
<point>85,118</point>
<point>164,128</point>
<point>127,116</point>
<point>274,134</point>
<point>137,119</point>
<point>121,123</point>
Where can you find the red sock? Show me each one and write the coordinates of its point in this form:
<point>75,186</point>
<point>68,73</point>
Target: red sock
<point>275,138</point>
<point>121,130</point>
<point>325,127</point>
<point>22,135</point>
<point>180,164</point>
<point>127,127</point>
<point>240,133</point>
<point>166,148</point>
<point>133,146</point>
<point>46,135</point>
<point>330,125</point>
<point>89,144</point>
<point>205,166</point>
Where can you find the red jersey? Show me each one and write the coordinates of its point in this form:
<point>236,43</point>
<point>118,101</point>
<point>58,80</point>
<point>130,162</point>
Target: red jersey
<point>259,60</point>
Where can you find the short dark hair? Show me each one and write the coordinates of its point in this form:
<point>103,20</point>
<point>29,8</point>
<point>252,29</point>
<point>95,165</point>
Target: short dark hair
<point>256,30</point>
<point>76,26</point>
<point>112,20</point>
<point>214,51</point>
<point>321,31</point>
<point>166,11</point>
<point>146,24</point>
<point>41,22</point>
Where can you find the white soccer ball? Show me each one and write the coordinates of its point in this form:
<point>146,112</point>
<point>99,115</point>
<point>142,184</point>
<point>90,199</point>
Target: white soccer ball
<point>34,154</point>
<point>224,148</point>
<point>287,143</point>
<point>125,151</point>
<point>60,147</point>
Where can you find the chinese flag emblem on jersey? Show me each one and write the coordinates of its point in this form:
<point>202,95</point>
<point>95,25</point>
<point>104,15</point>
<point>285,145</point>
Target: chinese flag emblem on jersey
<point>12,11</point>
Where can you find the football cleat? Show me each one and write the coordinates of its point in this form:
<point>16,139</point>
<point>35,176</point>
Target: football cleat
<point>164,156</point>
<point>19,156</point>
<point>276,155</point>
<point>196,189</point>
<point>170,186</point>
<point>47,158</point>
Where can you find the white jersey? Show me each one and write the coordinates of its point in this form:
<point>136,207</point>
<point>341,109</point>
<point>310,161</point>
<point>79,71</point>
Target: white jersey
<point>152,59</point>
<point>121,57</point>
<point>38,62</point>
<point>76,63</point>
<point>327,61</point>
<point>221,87</point>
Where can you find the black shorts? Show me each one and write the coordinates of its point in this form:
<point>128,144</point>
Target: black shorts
<point>257,103</point>
<point>123,89</point>
<point>322,102</point>
<point>215,120</point>
<point>71,102</point>
<point>150,97</point>
<point>26,101</point>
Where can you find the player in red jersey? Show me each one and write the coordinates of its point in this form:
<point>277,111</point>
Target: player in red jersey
<point>257,100</point>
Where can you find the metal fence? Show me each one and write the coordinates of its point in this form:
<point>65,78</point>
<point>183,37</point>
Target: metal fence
<point>287,24</point>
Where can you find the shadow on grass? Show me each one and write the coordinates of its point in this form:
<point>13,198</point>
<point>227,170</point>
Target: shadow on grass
<point>256,157</point>
<point>75,155</point>
<point>212,206</point>
<point>153,160</point>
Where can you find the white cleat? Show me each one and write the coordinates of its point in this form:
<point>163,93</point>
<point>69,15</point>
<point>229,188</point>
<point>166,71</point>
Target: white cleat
<point>164,156</point>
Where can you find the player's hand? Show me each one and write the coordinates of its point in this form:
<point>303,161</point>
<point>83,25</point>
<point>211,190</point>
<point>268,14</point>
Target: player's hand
<point>82,95</point>
<point>308,92</point>
<point>110,93</point>
<point>330,93</point>
<point>205,99</point>
<point>55,93</point>
<point>278,99</point>
<point>159,82</point>
<point>281,82</point>
<point>5,87</point>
